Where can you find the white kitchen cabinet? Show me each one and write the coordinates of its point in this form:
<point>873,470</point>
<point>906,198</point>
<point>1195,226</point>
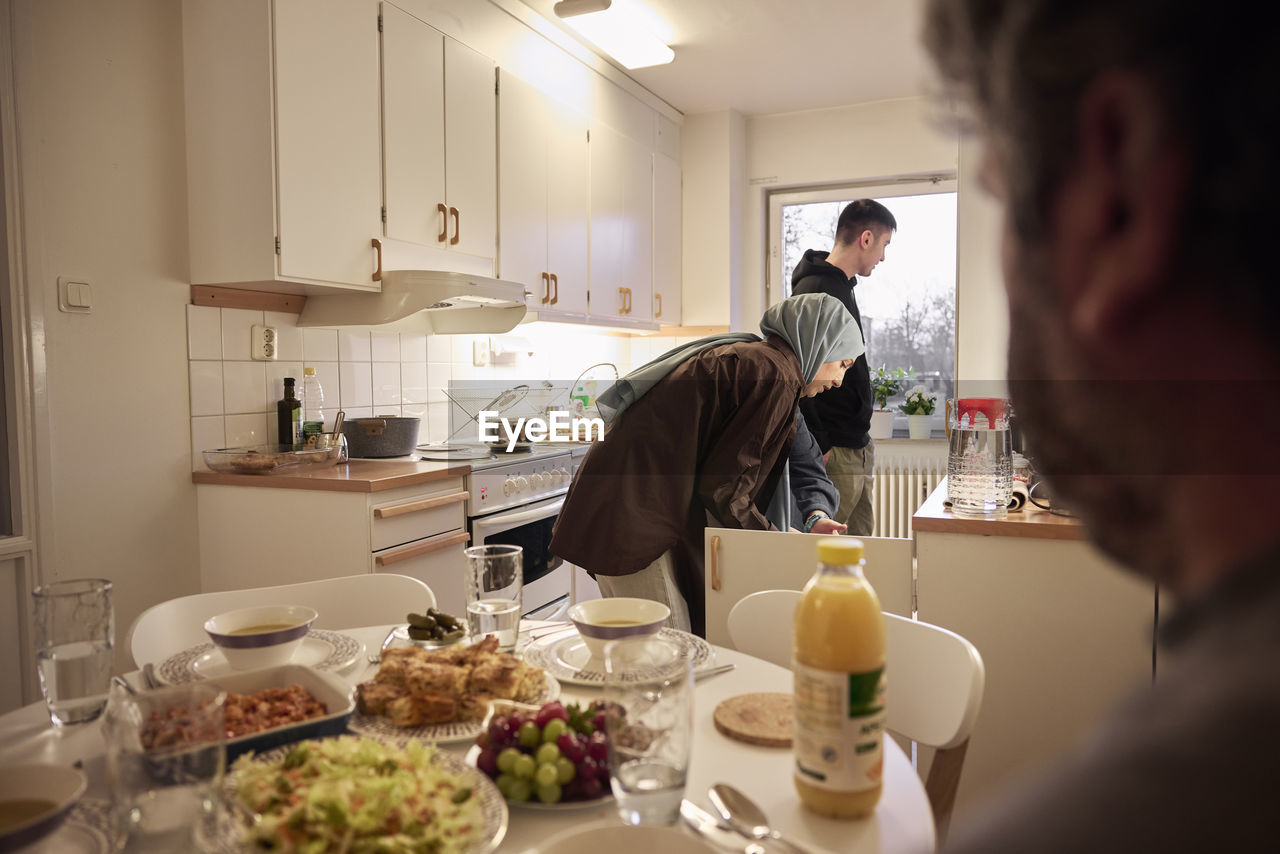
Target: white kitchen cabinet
<point>439,138</point>
<point>739,563</point>
<point>283,142</point>
<point>543,169</point>
<point>621,280</point>
<point>261,536</point>
<point>667,225</point>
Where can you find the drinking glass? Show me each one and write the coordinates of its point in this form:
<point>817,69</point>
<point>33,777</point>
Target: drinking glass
<point>75,635</point>
<point>166,757</point>
<point>648,693</point>
<point>495,580</point>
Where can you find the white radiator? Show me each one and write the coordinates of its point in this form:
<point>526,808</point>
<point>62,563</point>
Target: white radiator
<point>902,483</point>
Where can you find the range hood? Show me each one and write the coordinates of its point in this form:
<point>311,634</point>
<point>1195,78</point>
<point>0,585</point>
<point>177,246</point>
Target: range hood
<point>430,301</point>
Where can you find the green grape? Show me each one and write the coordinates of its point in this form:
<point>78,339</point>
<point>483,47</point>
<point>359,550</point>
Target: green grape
<point>520,791</point>
<point>565,770</point>
<point>547,752</point>
<point>546,774</point>
<point>553,729</point>
<point>549,794</point>
<point>528,735</point>
<point>524,767</point>
<point>507,759</point>
<point>503,783</point>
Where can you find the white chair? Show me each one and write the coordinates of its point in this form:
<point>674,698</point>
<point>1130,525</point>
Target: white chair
<point>372,599</point>
<point>935,686</point>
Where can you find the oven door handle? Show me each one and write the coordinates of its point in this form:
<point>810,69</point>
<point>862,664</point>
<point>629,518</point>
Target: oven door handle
<point>511,520</point>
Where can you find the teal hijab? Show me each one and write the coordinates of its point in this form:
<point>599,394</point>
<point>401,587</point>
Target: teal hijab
<point>817,327</point>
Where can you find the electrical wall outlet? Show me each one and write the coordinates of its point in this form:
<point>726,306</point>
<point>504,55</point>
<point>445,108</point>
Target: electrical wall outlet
<point>480,352</point>
<point>262,343</point>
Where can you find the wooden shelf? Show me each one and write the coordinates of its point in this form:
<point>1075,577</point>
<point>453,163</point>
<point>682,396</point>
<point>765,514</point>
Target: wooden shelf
<point>1030,522</point>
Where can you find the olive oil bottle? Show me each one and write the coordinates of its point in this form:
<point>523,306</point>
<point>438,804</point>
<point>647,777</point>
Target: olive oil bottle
<point>289,418</point>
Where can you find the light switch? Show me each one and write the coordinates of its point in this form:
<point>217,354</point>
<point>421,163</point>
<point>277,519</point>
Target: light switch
<point>74,295</point>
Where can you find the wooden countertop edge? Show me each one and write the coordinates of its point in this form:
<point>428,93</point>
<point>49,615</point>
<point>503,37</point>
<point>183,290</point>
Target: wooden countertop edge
<point>353,476</point>
<point>1030,522</point>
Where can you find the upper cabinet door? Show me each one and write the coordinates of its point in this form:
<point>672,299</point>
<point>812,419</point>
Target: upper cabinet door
<point>413,115</point>
<point>667,222</point>
<point>522,174</point>
<point>471,157</point>
<point>327,139</point>
<point>568,206</point>
<point>621,226</point>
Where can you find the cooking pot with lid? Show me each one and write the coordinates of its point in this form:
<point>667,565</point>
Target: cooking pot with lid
<point>381,436</point>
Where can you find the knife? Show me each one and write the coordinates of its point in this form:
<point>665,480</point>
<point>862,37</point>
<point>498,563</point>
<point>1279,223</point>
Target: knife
<point>709,828</point>
<point>712,671</point>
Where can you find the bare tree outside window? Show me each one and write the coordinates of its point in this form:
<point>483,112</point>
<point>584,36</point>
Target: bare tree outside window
<point>908,303</point>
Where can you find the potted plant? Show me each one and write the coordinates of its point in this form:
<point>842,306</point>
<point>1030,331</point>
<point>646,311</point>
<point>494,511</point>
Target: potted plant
<point>919,407</point>
<point>884,385</point>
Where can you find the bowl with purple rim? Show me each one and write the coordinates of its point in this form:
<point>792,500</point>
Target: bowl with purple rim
<point>36,801</point>
<point>261,636</point>
<point>602,620</point>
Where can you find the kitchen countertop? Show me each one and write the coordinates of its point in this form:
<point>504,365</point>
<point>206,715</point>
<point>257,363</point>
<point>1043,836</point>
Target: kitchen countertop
<point>351,476</point>
<point>1030,522</point>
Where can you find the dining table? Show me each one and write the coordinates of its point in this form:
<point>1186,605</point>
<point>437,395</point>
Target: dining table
<point>901,824</point>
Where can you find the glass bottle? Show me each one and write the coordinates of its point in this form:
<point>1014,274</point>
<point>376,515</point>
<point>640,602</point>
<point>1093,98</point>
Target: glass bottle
<point>289,418</point>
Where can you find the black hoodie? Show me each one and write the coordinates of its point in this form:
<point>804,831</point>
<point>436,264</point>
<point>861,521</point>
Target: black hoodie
<point>839,416</point>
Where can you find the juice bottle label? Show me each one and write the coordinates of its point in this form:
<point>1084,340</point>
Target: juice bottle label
<point>839,728</point>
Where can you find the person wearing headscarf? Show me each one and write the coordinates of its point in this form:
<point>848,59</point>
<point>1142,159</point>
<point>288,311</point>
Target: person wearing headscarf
<point>698,437</point>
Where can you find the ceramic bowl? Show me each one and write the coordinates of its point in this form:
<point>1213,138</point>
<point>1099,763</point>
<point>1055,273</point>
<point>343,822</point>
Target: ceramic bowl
<point>55,787</point>
<point>262,636</point>
<point>602,620</point>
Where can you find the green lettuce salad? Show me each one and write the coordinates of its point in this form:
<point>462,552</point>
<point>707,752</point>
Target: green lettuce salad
<point>357,796</point>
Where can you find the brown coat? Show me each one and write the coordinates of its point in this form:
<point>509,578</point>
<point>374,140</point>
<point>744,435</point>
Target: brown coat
<point>707,444</point>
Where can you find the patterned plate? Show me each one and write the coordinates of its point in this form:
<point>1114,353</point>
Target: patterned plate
<point>87,830</point>
<point>493,806</point>
<point>320,649</point>
<point>567,658</point>
<point>383,729</point>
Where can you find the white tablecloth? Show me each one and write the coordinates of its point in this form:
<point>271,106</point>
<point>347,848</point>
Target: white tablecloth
<point>902,822</point>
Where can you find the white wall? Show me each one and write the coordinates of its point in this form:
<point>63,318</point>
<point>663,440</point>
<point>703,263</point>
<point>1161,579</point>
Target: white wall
<point>982,319</point>
<point>102,170</point>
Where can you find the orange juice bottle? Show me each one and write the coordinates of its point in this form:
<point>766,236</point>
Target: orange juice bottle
<point>839,686</point>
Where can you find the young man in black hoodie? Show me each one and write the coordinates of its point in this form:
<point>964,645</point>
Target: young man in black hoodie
<point>840,419</point>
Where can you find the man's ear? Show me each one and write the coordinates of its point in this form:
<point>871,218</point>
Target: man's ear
<point>1120,210</point>
<point>866,239</point>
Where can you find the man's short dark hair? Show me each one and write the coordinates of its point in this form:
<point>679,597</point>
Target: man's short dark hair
<point>863,215</point>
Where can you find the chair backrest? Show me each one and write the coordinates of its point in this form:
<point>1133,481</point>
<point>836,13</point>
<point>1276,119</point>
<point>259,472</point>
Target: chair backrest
<point>935,682</point>
<point>342,603</point>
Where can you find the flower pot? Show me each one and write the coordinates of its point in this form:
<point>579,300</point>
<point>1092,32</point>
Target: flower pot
<point>919,426</point>
<point>881,424</point>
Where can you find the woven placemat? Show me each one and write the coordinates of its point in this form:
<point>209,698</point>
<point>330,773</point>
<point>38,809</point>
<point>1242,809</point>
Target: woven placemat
<point>764,719</point>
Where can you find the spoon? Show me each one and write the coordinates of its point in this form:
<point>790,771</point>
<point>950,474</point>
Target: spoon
<point>745,817</point>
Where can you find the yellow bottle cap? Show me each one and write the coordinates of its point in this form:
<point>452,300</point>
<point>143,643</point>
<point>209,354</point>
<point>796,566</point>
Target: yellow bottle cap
<point>840,550</point>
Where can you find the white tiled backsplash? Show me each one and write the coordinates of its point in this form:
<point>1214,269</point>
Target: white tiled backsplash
<point>233,399</point>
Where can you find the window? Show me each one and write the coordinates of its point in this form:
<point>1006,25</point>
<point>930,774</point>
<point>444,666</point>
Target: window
<point>908,304</point>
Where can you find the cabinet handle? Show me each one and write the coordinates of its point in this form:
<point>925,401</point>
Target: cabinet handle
<point>658,313</point>
<point>628,290</point>
<point>377,274</point>
<point>715,563</point>
<point>457,226</point>
<point>419,505</point>
<point>546,288</point>
<point>622,300</point>
<point>555,289</point>
<point>427,546</point>
<point>444,223</point>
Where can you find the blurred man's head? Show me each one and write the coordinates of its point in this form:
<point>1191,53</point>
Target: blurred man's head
<point>1138,172</point>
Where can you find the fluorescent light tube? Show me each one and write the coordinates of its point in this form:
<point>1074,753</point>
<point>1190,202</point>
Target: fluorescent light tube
<point>616,31</point>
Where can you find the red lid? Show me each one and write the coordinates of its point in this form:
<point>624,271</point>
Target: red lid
<point>992,407</point>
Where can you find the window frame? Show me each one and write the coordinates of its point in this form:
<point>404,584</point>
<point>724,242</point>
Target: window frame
<point>880,188</point>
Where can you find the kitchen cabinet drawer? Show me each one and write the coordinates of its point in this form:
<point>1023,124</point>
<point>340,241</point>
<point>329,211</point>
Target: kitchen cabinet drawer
<point>438,561</point>
<point>404,520</point>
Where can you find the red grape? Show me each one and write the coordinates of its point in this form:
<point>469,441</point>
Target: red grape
<point>572,746</point>
<point>598,747</point>
<point>597,721</point>
<point>500,732</point>
<point>592,788</point>
<point>551,711</point>
<point>487,761</point>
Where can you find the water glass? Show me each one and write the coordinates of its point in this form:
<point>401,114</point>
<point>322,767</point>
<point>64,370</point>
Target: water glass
<point>75,636</point>
<point>166,758</point>
<point>979,458</point>
<point>495,581</point>
<point>648,693</point>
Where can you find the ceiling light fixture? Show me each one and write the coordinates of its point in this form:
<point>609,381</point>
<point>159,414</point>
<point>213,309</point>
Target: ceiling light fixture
<point>613,28</point>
